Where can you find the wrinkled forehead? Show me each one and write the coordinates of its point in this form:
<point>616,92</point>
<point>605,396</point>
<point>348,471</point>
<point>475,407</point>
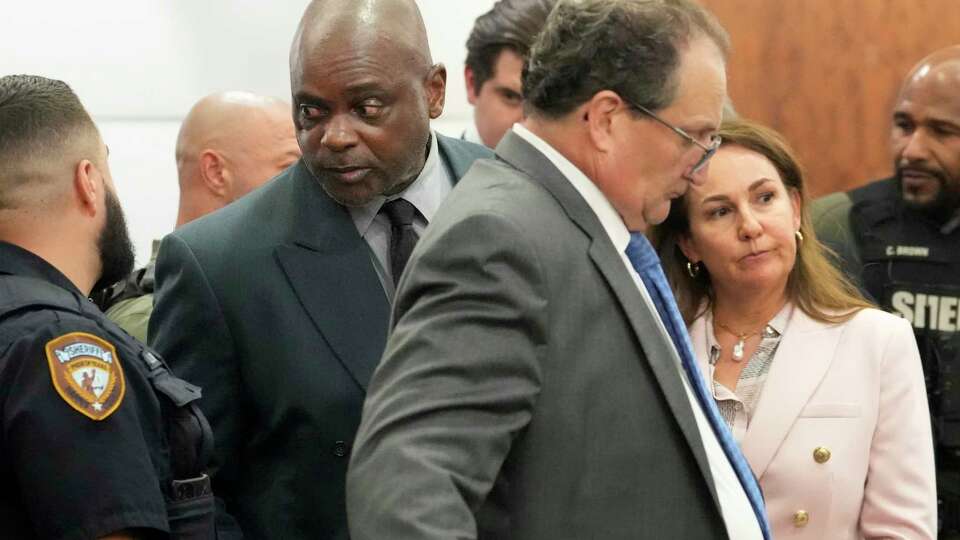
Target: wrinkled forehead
<point>384,53</point>
<point>391,31</point>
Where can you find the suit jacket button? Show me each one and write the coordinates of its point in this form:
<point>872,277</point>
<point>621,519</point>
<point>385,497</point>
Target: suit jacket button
<point>801,518</point>
<point>821,454</point>
<point>340,449</point>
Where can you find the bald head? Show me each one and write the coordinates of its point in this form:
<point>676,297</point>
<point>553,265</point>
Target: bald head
<point>394,23</point>
<point>364,91</point>
<point>229,144</point>
<point>925,138</point>
<point>941,68</point>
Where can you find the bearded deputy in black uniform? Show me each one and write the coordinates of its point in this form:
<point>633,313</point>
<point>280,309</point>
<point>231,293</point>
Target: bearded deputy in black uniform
<point>97,438</point>
<point>900,237</point>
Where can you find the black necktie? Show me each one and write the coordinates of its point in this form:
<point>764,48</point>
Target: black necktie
<point>402,236</point>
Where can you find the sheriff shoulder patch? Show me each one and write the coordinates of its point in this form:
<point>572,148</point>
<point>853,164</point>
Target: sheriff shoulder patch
<point>86,373</point>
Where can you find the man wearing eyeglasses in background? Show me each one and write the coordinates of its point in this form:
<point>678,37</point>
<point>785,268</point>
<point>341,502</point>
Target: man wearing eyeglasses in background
<point>536,374</point>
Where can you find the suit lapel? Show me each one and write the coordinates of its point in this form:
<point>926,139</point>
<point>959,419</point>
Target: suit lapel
<point>459,155</point>
<point>806,351</point>
<point>658,349</point>
<point>328,266</point>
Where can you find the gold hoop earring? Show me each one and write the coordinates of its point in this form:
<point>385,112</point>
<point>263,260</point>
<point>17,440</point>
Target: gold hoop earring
<point>799,236</point>
<point>693,269</point>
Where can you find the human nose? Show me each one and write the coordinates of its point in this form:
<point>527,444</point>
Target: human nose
<point>339,135</point>
<point>750,227</point>
<point>916,147</point>
<point>696,176</point>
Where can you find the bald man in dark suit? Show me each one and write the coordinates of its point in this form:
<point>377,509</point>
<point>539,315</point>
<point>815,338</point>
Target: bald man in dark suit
<point>278,304</point>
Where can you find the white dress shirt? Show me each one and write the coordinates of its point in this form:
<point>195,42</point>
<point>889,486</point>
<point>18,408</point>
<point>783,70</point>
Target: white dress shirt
<point>431,187</point>
<point>735,507</point>
<point>471,134</point>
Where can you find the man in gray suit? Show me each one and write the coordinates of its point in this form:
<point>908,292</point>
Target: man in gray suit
<point>278,304</point>
<point>528,373</point>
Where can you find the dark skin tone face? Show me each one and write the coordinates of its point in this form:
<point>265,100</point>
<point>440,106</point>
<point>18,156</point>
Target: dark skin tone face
<point>363,97</point>
<point>926,136</point>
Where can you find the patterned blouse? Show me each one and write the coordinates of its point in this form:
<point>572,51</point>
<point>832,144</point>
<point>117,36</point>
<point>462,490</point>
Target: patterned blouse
<point>737,405</point>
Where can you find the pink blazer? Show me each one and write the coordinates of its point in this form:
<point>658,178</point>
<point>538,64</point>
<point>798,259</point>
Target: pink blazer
<point>840,439</point>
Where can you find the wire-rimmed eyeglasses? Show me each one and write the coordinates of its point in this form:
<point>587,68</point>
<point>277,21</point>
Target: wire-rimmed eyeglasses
<point>708,151</point>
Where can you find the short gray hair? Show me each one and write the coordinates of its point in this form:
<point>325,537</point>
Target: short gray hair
<point>631,47</point>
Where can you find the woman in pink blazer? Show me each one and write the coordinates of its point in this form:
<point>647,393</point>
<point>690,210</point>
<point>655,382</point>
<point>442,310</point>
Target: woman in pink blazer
<point>824,393</point>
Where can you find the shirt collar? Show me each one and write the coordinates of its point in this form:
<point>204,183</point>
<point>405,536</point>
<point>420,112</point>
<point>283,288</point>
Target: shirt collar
<point>425,193</point>
<point>17,261</point>
<point>471,134</point>
<point>609,218</point>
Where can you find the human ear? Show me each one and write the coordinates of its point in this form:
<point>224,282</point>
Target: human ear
<point>436,88</point>
<point>689,249</point>
<point>469,79</point>
<point>86,187</point>
<point>600,115</point>
<point>213,173</point>
<point>797,205</point>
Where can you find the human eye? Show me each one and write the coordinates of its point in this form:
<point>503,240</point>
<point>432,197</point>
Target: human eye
<point>903,124</point>
<point>705,137</point>
<point>766,196</point>
<point>511,98</point>
<point>370,108</point>
<point>717,212</point>
<point>942,129</point>
<point>309,113</point>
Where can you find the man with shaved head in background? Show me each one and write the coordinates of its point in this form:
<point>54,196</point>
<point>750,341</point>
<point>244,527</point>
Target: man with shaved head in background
<point>229,144</point>
<point>278,305</point>
<point>899,238</point>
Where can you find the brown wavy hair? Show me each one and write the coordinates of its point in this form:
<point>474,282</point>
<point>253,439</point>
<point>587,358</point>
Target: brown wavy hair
<point>815,284</point>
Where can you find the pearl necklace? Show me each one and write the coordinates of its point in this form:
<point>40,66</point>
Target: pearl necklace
<point>739,346</point>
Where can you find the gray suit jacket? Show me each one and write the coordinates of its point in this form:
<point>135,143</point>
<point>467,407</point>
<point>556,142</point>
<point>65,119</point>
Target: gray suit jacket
<point>273,306</point>
<point>526,376</point>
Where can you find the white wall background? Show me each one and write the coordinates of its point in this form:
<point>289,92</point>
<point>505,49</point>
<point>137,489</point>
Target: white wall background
<point>139,66</point>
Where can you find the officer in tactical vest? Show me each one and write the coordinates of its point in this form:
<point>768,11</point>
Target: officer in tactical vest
<point>98,439</point>
<point>900,238</point>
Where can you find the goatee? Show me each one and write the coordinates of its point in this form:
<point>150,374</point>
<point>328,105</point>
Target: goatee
<point>942,206</point>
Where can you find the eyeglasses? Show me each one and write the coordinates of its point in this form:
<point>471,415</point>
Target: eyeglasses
<point>708,151</point>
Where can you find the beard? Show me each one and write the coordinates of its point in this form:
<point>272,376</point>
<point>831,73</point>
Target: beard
<point>945,202</point>
<point>114,245</point>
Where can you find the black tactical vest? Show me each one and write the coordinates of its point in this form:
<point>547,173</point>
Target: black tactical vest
<point>190,504</point>
<point>912,269</point>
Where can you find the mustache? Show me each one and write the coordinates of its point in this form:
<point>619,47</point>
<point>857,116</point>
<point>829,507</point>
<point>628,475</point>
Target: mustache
<point>921,169</point>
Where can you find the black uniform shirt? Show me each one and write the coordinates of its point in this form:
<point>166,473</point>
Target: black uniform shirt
<point>82,448</point>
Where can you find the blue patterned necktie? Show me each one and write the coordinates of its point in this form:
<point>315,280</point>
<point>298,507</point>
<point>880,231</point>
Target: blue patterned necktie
<point>647,264</point>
